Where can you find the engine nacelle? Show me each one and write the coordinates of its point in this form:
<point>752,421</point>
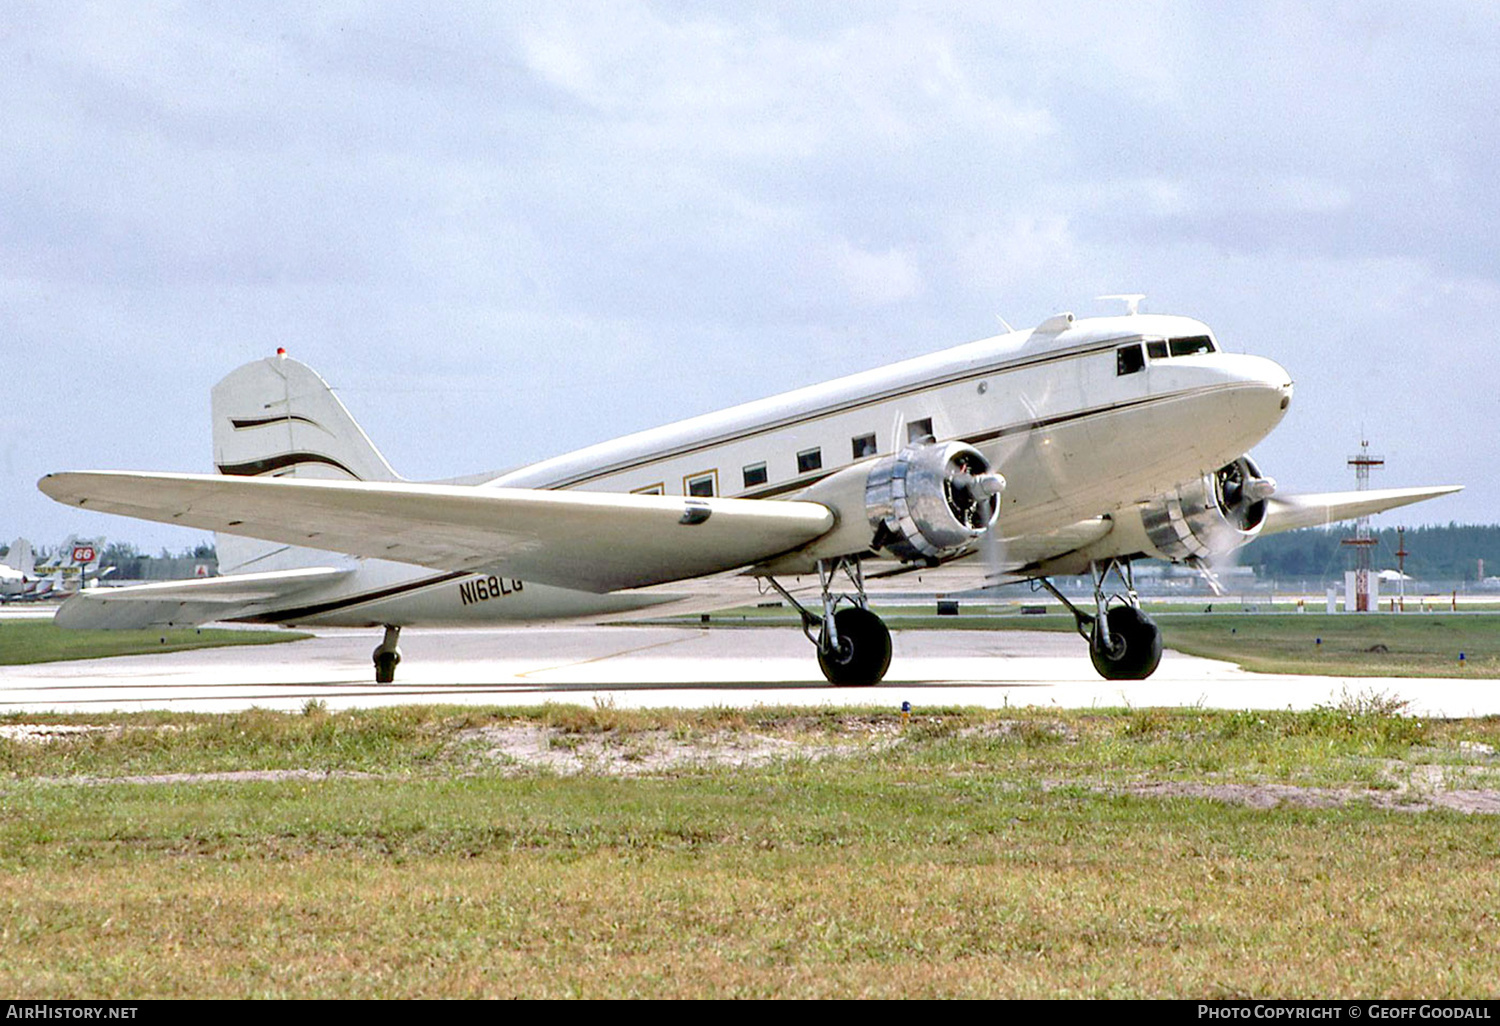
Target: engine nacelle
<point>931,501</point>
<point>922,504</point>
<point>1212,516</point>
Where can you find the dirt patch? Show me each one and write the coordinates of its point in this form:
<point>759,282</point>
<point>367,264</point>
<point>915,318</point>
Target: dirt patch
<point>637,753</point>
<point>1270,796</point>
<point>1026,730</point>
<point>46,733</point>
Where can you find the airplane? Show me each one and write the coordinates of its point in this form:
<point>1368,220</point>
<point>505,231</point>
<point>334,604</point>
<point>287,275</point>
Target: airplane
<point>18,576</point>
<point>1077,446</point>
<point>75,564</point>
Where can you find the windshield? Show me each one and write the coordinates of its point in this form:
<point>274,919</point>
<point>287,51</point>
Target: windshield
<point>1192,345</point>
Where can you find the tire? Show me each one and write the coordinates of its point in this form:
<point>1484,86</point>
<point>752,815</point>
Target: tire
<point>385,667</point>
<point>865,649</point>
<point>1137,646</point>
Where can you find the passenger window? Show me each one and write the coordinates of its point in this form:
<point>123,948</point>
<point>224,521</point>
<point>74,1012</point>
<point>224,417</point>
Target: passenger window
<point>864,446</point>
<point>809,459</point>
<point>655,489</point>
<point>1192,346</point>
<point>1157,349</point>
<point>919,432</point>
<point>701,485</point>
<point>1129,359</point>
<point>755,474</point>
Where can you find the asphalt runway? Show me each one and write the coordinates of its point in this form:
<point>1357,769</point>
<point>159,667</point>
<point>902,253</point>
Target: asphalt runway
<point>644,667</point>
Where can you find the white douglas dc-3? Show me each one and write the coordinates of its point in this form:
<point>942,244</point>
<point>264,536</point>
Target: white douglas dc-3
<point>1074,447</point>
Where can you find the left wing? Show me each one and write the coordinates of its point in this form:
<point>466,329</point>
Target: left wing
<point>589,541</point>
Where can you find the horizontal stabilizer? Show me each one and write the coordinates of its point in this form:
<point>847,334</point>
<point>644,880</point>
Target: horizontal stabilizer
<point>591,541</point>
<point>189,603</point>
<point>1289,512</point>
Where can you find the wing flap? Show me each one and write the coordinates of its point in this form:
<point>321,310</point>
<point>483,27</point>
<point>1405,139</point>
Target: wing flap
<point>592,541</point>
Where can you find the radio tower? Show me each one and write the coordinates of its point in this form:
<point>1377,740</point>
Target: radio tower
<point>1362,541</point>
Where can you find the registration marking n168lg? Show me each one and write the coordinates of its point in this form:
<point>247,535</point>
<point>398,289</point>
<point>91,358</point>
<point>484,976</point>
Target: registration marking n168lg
<point>481,589</point>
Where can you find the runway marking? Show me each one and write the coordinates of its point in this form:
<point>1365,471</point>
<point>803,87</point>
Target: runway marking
<point>612,655</point>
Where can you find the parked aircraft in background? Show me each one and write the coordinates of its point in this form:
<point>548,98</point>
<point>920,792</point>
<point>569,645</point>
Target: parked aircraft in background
<point>18,577</point>
<point>1074,447</point>
<point>75,563</point>
<point>25,578</point>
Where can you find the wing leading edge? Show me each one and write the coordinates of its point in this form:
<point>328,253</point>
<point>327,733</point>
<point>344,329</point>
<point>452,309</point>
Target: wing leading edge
<point>1290,512</point>
<point>590,541</point>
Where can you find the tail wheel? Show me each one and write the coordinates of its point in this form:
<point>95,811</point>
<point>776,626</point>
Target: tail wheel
<point>864,650</point>
<point>385,666</point>
<point>1136,648</point>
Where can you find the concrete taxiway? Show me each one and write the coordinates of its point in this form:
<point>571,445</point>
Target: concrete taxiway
<point>682,667</point>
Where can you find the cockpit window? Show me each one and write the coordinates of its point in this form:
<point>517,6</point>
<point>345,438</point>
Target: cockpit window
<point>1192,345</point>
<point>1156,348</point>
<point>1129,359</point>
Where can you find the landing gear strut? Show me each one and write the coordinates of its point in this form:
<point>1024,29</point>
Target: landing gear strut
<point>854,645</point>
<point>1124,643</point>
<point>387,655</point>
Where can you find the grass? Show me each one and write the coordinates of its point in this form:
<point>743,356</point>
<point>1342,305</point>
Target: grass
<point>1426,645</point>
<point>1373,645</point>
<point>988,854</point>
<point>41,641</point>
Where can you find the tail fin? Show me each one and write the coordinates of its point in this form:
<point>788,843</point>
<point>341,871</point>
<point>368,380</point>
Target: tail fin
<point>278,418</point>
<point>19,556</point>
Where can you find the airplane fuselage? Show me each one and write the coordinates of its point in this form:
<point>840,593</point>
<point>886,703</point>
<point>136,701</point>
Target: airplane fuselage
<point>1081,417</point>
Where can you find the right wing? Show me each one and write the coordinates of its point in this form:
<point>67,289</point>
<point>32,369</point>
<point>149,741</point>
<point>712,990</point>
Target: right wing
<point>588,541</point>
<point>1288,513</point>
<point>189,603</point>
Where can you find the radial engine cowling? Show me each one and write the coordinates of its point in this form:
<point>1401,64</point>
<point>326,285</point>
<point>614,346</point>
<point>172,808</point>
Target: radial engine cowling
<point>931,501</point>
<point>1211,516</point>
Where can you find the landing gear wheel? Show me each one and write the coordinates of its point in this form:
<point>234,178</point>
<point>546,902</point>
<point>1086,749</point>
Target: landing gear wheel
<point>864,652</point>
<point>1136,646</point>
<point>387,654</point>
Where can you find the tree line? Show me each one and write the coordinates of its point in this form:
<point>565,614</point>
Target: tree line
<point>130,562</point>
<point>1447,553</point>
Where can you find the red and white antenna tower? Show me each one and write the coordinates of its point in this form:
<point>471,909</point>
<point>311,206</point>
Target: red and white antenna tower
<point>1362,542</point>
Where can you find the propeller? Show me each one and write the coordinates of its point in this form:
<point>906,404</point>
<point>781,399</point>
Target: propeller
<point>973,488</point>
<point>1241,487</point>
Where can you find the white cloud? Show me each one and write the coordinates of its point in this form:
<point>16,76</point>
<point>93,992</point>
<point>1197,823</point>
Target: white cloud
<point>878,279</point>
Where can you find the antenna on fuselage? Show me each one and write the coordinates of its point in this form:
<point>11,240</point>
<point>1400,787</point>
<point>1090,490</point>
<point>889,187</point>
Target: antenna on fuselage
<point>1005,324</point>
<point>1132,301</point>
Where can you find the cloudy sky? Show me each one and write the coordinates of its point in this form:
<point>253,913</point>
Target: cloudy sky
<point>506,230</point>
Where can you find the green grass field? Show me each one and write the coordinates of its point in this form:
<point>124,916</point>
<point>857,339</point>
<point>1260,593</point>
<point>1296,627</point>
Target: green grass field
<point>40,641</point>
<point>969,853</point>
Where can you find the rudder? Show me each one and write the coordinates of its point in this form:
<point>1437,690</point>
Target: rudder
<point>278,418</point>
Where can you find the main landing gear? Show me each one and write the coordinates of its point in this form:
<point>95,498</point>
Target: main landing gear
<point>1124,643</point>
<point>854,645</point>
<point>387,655</point>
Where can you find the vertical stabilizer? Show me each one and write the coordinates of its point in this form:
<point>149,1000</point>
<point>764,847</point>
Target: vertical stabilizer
<point>20,557</point>
<point>278,418</point>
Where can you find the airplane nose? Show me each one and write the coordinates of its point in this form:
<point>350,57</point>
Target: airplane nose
<point>1257,370</point>
<point>1281,381</point>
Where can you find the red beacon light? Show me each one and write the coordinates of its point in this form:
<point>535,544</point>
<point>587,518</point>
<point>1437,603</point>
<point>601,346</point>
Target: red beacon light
<point>281,352</point>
